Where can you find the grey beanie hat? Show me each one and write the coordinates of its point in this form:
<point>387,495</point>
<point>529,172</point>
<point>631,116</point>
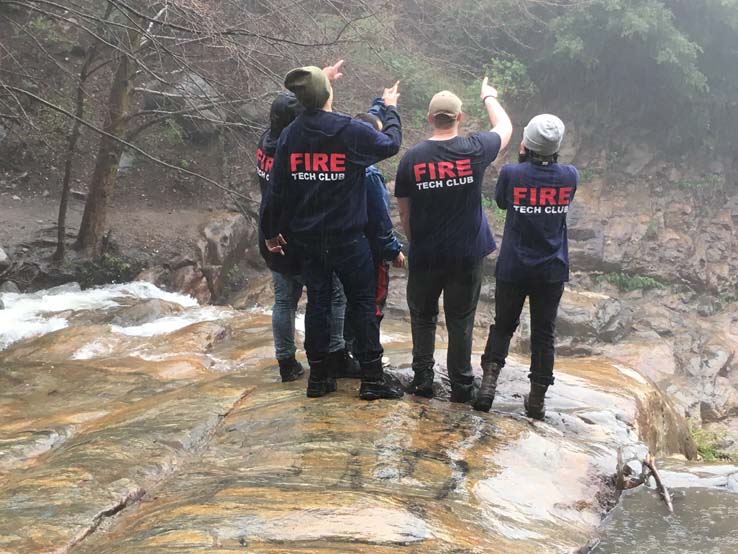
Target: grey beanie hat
<point>544,134</point>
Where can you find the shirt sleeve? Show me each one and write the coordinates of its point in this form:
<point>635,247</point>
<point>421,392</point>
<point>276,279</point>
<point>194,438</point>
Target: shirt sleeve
<point>403,183</point>
<point>380,225</point>
<point>367,146</point>
<point>501,189</point>
<point>490,142</point>
<point>378,109</point>
<point>275,217</point>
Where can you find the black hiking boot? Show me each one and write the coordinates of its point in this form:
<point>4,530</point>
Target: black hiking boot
<point>321,382</point>
<point>535,402</point>
<point>376,384</point>
<point>488,389</point>
<point>422,383</point>
<point>344,365</point>
<point>461,394</point>
<point>290,369</point>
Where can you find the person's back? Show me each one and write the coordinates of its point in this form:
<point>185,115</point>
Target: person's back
<point>439,192</point>
<point>443,180</point>
<point>319,197</point>
<point>537,199</point>
<point>327,156</point>
<point>534,260</point>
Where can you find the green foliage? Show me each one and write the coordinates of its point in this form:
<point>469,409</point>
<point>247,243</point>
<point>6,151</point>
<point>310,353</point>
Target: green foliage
<point>629,282</point>
<point>499,215</point>
<point>588,175</point>
<point>706,182</point>
<point>511,79</point>
<point>420,81</point>
<point>44,30</point>
<point>108,268</point>
<point>173,132</point>
<point>708,443</point>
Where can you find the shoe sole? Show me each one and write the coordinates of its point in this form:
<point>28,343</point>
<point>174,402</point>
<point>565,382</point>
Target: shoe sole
<point>370,396</point>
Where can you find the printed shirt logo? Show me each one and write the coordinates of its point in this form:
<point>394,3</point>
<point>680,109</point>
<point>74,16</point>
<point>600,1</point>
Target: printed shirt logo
<point>264,164</point>
<point>438,175</point>
<point>314,166</point>
<point>542,200</point>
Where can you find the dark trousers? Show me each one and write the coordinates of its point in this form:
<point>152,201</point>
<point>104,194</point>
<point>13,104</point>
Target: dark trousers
<point>460,286</point>
<point>351,260</point>
<point>380,301</point>
<point>544,301</point>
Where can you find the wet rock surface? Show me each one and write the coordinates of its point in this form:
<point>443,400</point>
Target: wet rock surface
<point>170,432</point>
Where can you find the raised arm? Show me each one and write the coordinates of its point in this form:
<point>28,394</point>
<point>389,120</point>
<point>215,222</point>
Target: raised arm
<point>368,146</point>
<point>498,117</point>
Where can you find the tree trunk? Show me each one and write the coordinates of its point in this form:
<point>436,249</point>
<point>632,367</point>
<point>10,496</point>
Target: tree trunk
<point>92,229</point>
<point>71,150</point>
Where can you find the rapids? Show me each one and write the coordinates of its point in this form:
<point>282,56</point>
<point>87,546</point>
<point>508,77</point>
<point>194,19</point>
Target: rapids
<point>133,420</point>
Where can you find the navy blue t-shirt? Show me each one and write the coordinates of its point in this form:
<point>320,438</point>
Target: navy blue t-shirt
<point>537,199</point>
<point>443,180</point>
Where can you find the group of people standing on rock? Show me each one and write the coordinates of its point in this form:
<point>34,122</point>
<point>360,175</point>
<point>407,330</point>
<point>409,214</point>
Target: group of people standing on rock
<point>325,225</point>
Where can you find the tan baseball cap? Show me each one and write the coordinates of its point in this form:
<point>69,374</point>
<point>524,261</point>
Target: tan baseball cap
<point>446,103</point>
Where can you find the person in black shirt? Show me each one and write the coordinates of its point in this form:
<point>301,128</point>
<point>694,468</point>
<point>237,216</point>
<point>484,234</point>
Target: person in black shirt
<point>534,258</point>
<point>439,193</point>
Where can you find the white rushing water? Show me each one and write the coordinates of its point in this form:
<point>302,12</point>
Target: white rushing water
<point>34,314</point>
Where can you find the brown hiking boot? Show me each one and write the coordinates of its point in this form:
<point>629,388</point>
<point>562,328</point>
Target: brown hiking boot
<point>535,402</point>
<point>488,389</point>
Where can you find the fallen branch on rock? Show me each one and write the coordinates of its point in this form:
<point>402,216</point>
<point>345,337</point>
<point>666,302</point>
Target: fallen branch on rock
<point>650,463</point>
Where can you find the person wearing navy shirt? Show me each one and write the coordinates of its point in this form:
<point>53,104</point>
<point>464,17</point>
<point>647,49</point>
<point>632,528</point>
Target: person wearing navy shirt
<point>287,281</point>
<point>319,197</point>
<point>439,193</point>
<point>534,258</point>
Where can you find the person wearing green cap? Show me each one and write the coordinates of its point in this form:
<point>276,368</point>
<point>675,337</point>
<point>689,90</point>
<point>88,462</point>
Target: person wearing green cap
<point>439,193</point>
<point>319,198</point>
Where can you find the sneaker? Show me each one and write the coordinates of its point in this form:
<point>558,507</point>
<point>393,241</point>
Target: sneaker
<point>290,369</point>
<point>385,388</point>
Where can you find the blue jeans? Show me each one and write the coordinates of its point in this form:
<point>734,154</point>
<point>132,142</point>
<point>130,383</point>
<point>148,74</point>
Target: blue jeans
<point>350,258</point>
<point>287,293</point>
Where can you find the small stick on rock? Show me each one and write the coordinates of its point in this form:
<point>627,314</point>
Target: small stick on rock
<point>650,463</point>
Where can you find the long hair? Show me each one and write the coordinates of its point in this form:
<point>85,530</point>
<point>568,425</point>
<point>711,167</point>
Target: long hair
<point>538,159</point>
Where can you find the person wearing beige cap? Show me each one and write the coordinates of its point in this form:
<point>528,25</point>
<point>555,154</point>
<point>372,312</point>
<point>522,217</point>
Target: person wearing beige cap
<point>439,193</point>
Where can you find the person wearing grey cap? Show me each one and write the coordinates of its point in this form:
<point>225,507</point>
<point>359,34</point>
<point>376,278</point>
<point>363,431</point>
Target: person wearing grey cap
<point>534,258</point>
<point>439,193</point>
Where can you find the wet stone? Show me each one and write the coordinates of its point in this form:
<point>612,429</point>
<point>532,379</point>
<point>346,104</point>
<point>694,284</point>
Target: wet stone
<point>165,438</point>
